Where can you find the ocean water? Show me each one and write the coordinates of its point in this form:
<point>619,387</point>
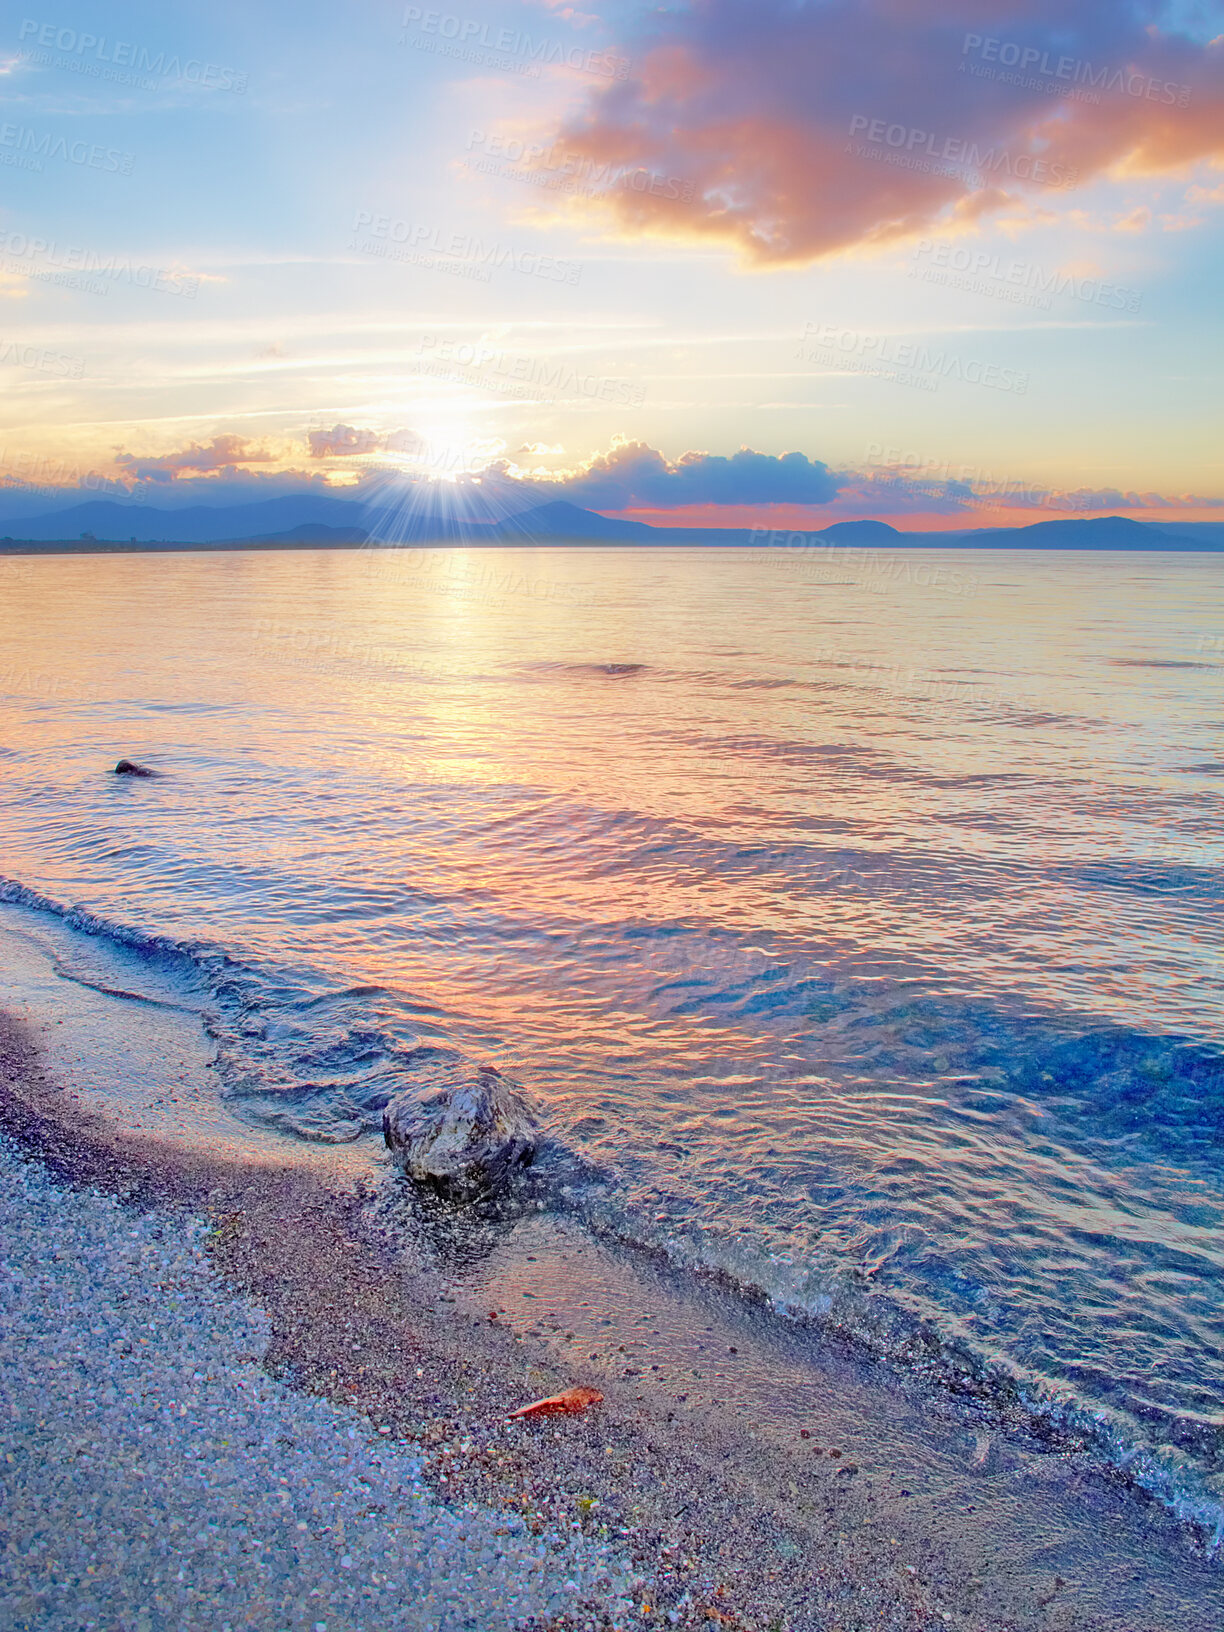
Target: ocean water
<point>853,919</point>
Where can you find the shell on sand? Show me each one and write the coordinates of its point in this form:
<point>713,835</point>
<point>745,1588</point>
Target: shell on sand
<point>565,1404</point>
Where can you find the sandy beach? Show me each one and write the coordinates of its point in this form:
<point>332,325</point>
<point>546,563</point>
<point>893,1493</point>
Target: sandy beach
<point>690,1515</point>
<point>342,1327</point>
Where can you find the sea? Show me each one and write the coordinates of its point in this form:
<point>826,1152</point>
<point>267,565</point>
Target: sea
<point>852,917</point>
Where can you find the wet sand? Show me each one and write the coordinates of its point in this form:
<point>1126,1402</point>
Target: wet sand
<point>757,1477</point>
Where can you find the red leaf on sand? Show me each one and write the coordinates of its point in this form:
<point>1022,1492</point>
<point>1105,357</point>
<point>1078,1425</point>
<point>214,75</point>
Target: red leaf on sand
<point>567,1404</point>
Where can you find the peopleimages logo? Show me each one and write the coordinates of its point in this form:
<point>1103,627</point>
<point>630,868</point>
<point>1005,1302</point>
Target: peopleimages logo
<point>1032,59</point>
<point>42,359</point>
<point>568,171</point>
<point>523,375</point>
<point>32,147</point>
<point>95,55</point>
<point>471,39</point>
<point>914,476</point>
<point>906,361</point>
<point>465,248</point>
<point>74,259</point>
<point>919,146</point>
<point>879,569</point>
<point>38,475</point>
<point>980,272</point>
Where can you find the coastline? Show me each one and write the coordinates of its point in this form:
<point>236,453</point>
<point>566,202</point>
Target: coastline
<point>676,539</point>
<point>729,1516</point>
<point>443,1383</point>
<point>157,1475</point>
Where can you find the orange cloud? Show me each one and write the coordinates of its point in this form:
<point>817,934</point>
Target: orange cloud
<point>223,453</point>
<point>796,132</point>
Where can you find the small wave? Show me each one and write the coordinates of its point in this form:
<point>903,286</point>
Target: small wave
<point>845,1308</point>
<point>317,1065</point>
<point>600,671</point>
<point>90,923</point>
<point>1157,663</point>
<point>1201,883</point>
<point>320,1065</point>
<point>1031,719</point>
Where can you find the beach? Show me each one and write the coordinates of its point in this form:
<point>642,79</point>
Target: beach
<point>396,1368</point>
<point>697,1517</point>
<point>157,1475</point>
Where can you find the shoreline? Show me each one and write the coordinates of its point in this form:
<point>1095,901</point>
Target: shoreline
<point>720,1507</point>
<point>285,1240</point>
<point>908,542</point>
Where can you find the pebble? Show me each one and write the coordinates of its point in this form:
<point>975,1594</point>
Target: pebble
<point>154,1474</point>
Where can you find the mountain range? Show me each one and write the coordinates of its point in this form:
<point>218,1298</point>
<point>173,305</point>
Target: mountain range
<point>323,522</point>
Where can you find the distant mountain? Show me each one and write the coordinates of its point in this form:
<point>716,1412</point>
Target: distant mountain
<point>309,533</point>
<point>1101,533</point>
<point>555,521</point>
<point>200,524</point>
<point>317,521</point>
<point>861,532</point>
<point>560,519</point>
<point>1198,532</point>
<point>310,519</point>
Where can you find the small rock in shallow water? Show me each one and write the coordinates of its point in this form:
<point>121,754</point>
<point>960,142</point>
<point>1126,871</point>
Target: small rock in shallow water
<point>464,1141</point>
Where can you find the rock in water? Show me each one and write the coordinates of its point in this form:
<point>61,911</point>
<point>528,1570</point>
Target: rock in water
<point>465,1141</point>
<point>125,767</point>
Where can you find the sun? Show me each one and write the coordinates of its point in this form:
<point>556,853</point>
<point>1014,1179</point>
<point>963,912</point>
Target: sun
<point>434,488</point>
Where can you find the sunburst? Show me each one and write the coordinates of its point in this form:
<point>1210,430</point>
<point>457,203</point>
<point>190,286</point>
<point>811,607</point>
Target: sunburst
<point>438,493</point>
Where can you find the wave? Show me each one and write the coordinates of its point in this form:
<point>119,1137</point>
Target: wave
<point>599,671</point>
<point>315,1064</point>
<point>1158,663</point>
<point>879,1328</point>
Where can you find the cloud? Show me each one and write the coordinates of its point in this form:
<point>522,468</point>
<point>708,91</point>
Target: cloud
<point>404,441</point>
<point>633,475</point>
<point>342,439</point>
<point>223,453</point>
<point>236,486</point>
<point>901,484</point>
<point>700,489</point>
<point>349,442</point>
<point>755,117</point>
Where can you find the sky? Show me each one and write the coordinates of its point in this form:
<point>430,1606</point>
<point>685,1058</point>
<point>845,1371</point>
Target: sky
<point>722,263</point>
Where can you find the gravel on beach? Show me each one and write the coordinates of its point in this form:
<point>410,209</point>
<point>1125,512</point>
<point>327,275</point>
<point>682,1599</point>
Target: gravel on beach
<point>155,1476</point>
<point>233,1397</point>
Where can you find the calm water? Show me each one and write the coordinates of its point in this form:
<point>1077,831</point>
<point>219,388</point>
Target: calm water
<point>855,920</point>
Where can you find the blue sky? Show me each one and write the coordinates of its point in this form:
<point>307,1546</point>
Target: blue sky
<point>959,262</point>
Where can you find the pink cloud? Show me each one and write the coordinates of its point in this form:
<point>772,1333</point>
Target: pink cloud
<point>767,111</point>
<point>340,440</point>
<point>223,453</point>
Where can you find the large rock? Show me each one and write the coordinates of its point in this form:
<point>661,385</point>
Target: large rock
<point>467,1140</point>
